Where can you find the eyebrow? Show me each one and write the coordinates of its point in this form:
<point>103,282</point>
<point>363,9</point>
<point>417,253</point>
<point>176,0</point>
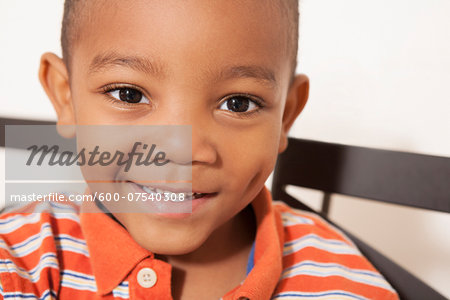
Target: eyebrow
<point>260,73</point>
<point>106,60</point>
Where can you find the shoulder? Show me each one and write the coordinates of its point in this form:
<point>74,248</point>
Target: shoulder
<point>319,260</point>
<point>299,222</point>
<point>31,242</point>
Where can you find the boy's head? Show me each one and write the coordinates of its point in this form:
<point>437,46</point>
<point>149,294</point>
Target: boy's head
<point>225,67</point>
<point>75,15</point>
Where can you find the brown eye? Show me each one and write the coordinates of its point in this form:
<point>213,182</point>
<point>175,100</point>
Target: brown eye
<point>238,104</point>
<point>129,95</point>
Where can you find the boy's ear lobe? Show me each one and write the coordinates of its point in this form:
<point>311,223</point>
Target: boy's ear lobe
<point>54,79</point>
<point>295,102</point>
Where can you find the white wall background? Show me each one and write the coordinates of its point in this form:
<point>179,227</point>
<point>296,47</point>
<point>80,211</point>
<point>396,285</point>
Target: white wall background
<point>380,74</point>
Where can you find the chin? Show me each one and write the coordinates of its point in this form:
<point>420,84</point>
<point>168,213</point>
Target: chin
<point>169,246</point>
<point>168,241</point>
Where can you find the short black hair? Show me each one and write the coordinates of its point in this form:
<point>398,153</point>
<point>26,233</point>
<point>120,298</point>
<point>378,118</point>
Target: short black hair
<point>73,12</point>
<point>70,27</point>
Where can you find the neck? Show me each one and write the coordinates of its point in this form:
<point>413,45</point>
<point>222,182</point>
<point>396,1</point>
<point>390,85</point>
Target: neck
<point>219,264</point>
<point>225,242</point>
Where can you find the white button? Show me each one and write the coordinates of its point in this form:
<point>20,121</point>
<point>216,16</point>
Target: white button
<point>146,277</point>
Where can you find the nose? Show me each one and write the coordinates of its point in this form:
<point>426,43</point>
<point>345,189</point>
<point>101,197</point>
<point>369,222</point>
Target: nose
<point>188,133</point>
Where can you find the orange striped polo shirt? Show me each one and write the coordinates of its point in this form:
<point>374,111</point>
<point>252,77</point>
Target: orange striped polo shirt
<point>61,252</point>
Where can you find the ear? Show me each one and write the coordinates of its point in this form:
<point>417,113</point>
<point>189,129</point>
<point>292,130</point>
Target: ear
<point>295,102</point>
<point>54,79</point>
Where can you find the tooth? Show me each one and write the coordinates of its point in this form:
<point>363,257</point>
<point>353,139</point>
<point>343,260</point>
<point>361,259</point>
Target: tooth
<point>187,195</point>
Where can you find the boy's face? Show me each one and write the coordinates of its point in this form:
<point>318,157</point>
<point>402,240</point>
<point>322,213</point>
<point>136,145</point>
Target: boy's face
<point>221,66</point>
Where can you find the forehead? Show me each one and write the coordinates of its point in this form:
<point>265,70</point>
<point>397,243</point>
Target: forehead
<point>195,36</point>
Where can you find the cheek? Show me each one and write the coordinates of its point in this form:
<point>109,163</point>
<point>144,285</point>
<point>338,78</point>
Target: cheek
<point>92,108</point>
<point>89,111</point>
<point>252,155</point>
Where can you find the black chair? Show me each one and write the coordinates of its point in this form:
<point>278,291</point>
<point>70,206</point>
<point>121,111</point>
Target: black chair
<point>401,178</point>
<point>11,121</point>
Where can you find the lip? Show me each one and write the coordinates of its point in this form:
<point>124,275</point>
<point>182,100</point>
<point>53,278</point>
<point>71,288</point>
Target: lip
<point>180,188</point>
<point>171,209</point>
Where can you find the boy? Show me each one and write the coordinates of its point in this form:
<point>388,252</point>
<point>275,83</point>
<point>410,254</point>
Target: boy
<point>227,69</point>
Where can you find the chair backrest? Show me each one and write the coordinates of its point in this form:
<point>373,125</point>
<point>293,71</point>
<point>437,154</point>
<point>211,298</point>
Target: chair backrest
<point>10,121</point>
<point>390,176</point>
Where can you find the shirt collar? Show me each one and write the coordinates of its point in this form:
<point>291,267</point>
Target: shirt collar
<point>114,253</point>
<point>262,280</point>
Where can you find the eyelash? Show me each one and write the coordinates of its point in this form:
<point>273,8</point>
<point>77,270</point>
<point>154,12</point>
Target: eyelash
<point>257,101</point>
<point>107,89</point>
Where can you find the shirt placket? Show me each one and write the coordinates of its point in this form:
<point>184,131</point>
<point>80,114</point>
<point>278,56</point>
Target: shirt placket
<point>150,279</point>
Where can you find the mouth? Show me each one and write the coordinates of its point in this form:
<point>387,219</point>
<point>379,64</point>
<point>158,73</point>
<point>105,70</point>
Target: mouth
<point>168,190</point>
<point>187,195</point>
<point>183,201</point>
